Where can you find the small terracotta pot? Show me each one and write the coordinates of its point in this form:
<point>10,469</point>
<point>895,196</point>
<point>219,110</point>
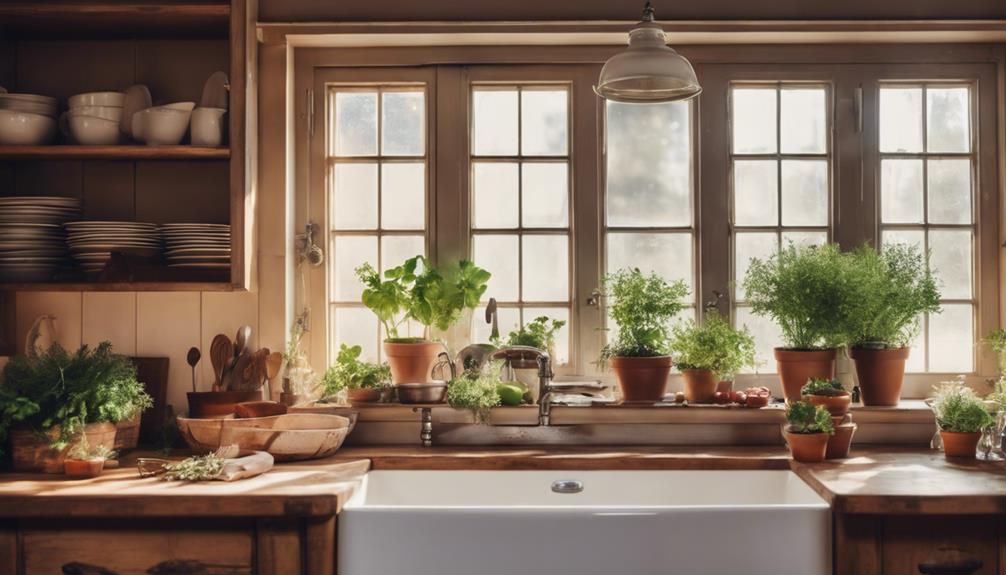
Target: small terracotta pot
<point>807,447</point>
<point>797,367</point>
<point>83,468</point>
<point>412,362</point>
<point>837,405</point>
<point>363,395</point>
<point>881,373</point>
<point>839,444</point>
<point>700,385</point>
<point>641,379</point>
<point>217,404</point>
<point>962,445</point>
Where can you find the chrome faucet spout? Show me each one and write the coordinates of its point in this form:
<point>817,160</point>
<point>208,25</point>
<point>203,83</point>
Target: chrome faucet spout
<point>545,375</point>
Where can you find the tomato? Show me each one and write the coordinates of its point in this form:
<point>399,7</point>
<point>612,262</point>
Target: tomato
<point>739,397</point>
<point>758,396</point>
<point>721,398</point>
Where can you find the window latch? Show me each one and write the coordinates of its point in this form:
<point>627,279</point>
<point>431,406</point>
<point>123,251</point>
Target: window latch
<point>594,300</point>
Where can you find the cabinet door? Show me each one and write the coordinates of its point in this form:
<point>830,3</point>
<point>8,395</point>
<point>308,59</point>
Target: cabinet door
<point>910,541</point>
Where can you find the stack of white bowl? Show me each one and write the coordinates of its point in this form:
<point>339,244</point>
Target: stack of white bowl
<point>27,119</point>
<point>94,117</point>
<point>163,125</point>
<point>32,241</point>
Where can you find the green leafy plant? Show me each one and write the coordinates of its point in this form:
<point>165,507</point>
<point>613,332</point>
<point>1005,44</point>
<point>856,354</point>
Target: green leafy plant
<point>476,391</point>
<point>539,333</point>
<point>891,290</point>
<point>69,391</point>
<point>801,288</point>
<point>642,307</point>
<point>712,345</point>
<point>805,417</point>
<point>82,451</point>
<point>958,408</point>
<point>825,387</point>
<point>418,291</point>
<point>996,340</point>
<point>349,372</point>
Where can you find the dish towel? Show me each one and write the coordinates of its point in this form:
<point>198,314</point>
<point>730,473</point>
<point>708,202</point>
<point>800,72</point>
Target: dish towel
<point>244,467</point>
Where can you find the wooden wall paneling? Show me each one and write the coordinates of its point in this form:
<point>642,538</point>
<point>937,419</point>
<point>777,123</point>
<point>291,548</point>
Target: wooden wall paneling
<point>63,69</point>
<point>167,325</point>
<point>243,120</point>
<point>107,190</point>
<point>225,312</point>
<point>64,306</point>
<point>109,316</point>
<point>278,548</point>
<point>909,541</point>
<point>181,192</point>
<point>8,323</point>
<point>175,70</point>
<point>319,546</point>
<point>49,178</point>
<point>857,543</point>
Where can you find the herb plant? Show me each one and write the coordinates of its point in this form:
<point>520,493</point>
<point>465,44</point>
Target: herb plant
<point>476,391</point>
<point>82,451</point>
<point>69,391</point>
<point>642,307</point>
<point>418,291</point>
<point>802,288</point>
<point>958,409</point>
<point>996,340</point>
<point>539,333</point>
<point>197,468</point>
<point>823,387</point>
<point>891,290</point>
<point>713,345</point>
<point>805,417</point>
<point>349,372</point>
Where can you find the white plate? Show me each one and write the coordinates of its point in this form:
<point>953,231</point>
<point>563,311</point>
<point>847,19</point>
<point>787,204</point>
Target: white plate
<point>201,265</point>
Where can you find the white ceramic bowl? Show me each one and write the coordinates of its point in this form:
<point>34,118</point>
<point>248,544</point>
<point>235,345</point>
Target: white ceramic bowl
<point>161,126</point>
<point>98,99</point>
<point>94,131</point>
<point>180,106</point>
<point>106,112</point>
<point>26,129</point>
<point>28,103</point>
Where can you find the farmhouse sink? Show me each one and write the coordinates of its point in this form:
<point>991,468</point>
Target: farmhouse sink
<point>587,522</point>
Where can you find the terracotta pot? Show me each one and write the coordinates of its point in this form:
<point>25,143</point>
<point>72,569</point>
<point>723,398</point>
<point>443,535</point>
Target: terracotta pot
<point>216,404</point>
<point>700,385</point>
<point>796,367</point>
<point>963,445</point>
<point>412,362</point>
<point>807,447</point>
<point>83,468</point>
<point>641,379</point>
<point>839,444</point>
<point>356,396</point>
<point>837,405</point>
<point>33,452</point>
<point>881,373</point>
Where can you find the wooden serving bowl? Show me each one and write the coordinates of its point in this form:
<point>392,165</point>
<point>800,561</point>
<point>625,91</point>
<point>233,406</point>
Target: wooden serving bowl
<point>290,437</point>
<point>204,404</point>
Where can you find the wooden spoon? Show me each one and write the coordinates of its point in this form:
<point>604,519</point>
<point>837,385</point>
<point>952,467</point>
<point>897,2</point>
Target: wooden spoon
<point>221,354</point>
<point>193,358</point>
<point>273,363</point>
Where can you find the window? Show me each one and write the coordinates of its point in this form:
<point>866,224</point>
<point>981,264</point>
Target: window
<point>927,166</point>
<point>781,166</point>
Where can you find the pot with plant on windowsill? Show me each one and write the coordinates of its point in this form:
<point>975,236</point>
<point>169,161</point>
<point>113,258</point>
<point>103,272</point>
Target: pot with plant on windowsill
<point>828,393</point>
<point>808,429</point>
<point>417,292</point>
<point>709,352</point>
<point>961,416</point>
<point>800,288</point>
<point>362,381</point>
<point>641,306</point>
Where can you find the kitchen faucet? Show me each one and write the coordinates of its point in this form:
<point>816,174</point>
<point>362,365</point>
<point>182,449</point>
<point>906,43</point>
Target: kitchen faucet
<point>524,354</point>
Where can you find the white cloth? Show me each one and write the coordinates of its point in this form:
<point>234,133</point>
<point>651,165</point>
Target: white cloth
<point>244,467</point>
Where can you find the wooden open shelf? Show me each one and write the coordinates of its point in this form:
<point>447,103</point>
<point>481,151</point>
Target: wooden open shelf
<point>118,286</point>
<point>79,18</point>
<point>125,152</point>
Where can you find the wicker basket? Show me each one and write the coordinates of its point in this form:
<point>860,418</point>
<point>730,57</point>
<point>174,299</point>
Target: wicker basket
<point>127,433</point>
<point>31,451</point>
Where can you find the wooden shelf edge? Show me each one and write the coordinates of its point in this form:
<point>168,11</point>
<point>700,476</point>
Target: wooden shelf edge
<point>126,152</point>
<point>119,286</point>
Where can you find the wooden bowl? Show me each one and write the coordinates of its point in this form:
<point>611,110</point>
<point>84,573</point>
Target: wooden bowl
<point>218,403</point>
<point>290,437</point>
<point>329,409</point>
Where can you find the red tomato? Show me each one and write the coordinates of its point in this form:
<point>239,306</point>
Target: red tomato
<point>721,398</point>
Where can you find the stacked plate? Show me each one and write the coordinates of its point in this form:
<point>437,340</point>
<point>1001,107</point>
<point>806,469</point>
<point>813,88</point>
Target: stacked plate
<point>205,246</point>
<point>92,243</point>
<point>32,240</point>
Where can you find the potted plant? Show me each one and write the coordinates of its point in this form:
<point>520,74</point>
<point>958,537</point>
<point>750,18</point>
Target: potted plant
<point>961,416</point>
<point>51,400</point>
<point>477,391</point>
<point>801,289</point>
<point>362,380</point>
<point>828,393</point>
<point>539,333</point>
<point>417,291</point>
<point>808,430</point>
<point>642,307</point>
<point>85,462</point>
<point>892,289</point>
<point>709,352</point>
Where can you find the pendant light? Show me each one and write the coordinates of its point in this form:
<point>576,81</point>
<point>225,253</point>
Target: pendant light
<point>649,70</point>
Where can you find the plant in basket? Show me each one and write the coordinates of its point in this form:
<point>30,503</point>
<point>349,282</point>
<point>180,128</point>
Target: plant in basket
<point>709,352</point>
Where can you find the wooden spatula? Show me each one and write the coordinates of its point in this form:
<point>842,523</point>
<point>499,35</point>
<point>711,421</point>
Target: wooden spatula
<point>221,354</point>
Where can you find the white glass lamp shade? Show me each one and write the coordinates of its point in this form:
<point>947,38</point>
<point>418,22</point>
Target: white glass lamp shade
<point>648,71</point>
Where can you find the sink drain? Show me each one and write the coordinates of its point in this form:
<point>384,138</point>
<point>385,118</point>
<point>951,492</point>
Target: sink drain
<point>567,486</point>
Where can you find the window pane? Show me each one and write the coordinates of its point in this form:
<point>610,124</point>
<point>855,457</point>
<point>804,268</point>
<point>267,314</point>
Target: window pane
<point>756,193</point>
<point>543,122</point>
<point>948,120</point>
<point>494,122</point>
<point>917,354</point>
<point>402,124</point>
<point>914,238</point>
<point>949,191</point>
<point>811,238</point>
<point>669,255</point>
<point>396,249</point>
<point>545,195</point>
<point>354,206</point>
<point>546,264</point>
<point>494,195</point>
<point>355,124</point>
<point>901,191</point>
<point>754,120</point>
<point>355,326</point>
<point>508,319</point>
<point>350,252</point>
<point>561,337</point>
<point>950,339</point>
<point>649,165</point>
<point>804,192</point>
<point>748,246</point>
<point>804,127</point>
<point>403,196</point>
<point>498,255</point>
<point>767,336</point>
<point>901,119</point>
<point>950,258</point>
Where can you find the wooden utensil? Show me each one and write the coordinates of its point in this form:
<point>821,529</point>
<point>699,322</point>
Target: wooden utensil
<point>273,364</point>
<point>221,355</point>
<point>241,339</point>
<point>235,377</point>
<point>193,358</point>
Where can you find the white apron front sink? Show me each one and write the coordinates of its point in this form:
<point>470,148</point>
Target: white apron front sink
<point>621,522</point>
